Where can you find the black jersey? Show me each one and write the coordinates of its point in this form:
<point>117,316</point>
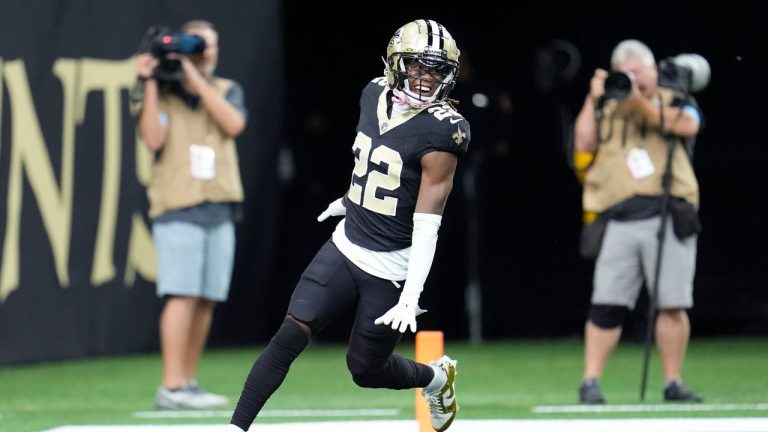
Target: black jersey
<point>387,174</point>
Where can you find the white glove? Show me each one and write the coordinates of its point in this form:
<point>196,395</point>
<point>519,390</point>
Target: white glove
<point>403,314</point>
<point>233,428</point>
<point>336,208</point>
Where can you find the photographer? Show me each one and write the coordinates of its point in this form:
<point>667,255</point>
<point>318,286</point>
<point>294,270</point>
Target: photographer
<point>189,119</point>
<point>628,127</point>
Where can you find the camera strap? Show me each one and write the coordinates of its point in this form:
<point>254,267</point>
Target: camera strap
<point>666,178</point>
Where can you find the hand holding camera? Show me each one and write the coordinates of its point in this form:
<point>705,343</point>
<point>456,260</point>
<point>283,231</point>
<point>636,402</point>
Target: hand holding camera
<point>597,84</point>
<point>168,49</point>
<point>145,65</point>
<point>189,74</point>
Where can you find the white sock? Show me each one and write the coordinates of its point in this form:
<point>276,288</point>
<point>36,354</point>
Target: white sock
<point>233,428</point>
<point>438,381</point>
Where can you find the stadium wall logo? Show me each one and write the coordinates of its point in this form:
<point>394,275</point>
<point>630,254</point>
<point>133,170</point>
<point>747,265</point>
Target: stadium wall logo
<point>28,157</point>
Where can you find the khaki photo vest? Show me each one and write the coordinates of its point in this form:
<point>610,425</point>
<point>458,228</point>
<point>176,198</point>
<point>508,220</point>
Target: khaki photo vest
<point>172,185</point>
<point>609,181</point>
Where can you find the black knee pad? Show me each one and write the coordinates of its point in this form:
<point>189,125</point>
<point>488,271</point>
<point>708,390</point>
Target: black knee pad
<point>608,316</point>
<point>290,338</point>
<point>303,325</point>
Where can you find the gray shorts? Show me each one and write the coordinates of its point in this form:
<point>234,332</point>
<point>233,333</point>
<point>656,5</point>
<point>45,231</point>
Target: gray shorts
<point>628,257</point>
<point>194,260</point>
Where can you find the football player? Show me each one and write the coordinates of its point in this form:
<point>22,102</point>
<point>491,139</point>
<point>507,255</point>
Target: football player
<point>408,142</point>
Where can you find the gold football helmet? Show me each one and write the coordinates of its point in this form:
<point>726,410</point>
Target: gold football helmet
<point>422,45</point>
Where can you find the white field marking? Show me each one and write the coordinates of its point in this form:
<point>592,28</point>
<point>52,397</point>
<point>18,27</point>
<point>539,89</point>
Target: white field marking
<point>569,409</point>
<point>603,425</point>
<point>270,413</point>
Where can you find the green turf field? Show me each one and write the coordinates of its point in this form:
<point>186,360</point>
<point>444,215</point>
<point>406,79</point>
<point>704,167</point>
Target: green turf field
<point>500,380</point>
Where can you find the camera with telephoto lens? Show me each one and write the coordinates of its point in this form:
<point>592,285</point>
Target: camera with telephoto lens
<point>161,41</point>
<point>618,85</point>
<point>685,73</point>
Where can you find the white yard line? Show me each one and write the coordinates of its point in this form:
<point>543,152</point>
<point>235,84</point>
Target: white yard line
<point>570,409</point>
<point>271,413</point>
<point>603,425</point>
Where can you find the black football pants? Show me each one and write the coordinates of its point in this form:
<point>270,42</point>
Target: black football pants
<point>330,286</point>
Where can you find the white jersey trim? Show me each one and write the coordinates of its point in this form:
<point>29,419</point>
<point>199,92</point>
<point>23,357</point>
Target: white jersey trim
<point>392,265</point>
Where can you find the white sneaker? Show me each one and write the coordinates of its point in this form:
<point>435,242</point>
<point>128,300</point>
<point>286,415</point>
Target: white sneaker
<point>213,399</point>
<point>442,402</point>
<point>189,396</point>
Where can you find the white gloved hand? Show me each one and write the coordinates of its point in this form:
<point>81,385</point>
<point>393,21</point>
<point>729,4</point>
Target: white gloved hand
<point>336,208</point>
<point>233,428</point>
<point>402,315</point>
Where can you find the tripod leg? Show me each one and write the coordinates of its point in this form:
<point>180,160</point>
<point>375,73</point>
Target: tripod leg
<point>653,294</point>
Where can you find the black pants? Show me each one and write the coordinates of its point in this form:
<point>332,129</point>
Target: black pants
<point>331,285</point>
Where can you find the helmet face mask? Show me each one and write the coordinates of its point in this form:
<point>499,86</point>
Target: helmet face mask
<point>418,66</point>
<point>422,61</point>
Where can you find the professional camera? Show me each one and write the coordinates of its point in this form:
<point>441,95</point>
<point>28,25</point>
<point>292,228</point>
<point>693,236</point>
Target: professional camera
<point>618,85</point>
<point>161,41</point>
<point>686,73</point>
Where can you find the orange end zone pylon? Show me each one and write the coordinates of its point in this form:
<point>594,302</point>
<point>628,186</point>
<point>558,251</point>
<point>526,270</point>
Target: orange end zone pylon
<point>429,347</point>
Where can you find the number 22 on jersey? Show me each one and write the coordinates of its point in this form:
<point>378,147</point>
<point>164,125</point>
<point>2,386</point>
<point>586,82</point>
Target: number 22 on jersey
<point>365,183</point>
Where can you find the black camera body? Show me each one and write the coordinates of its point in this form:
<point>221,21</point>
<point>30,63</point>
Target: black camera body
<point>161,41</point>
<point>685,73</point>
<point>674,77</point>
